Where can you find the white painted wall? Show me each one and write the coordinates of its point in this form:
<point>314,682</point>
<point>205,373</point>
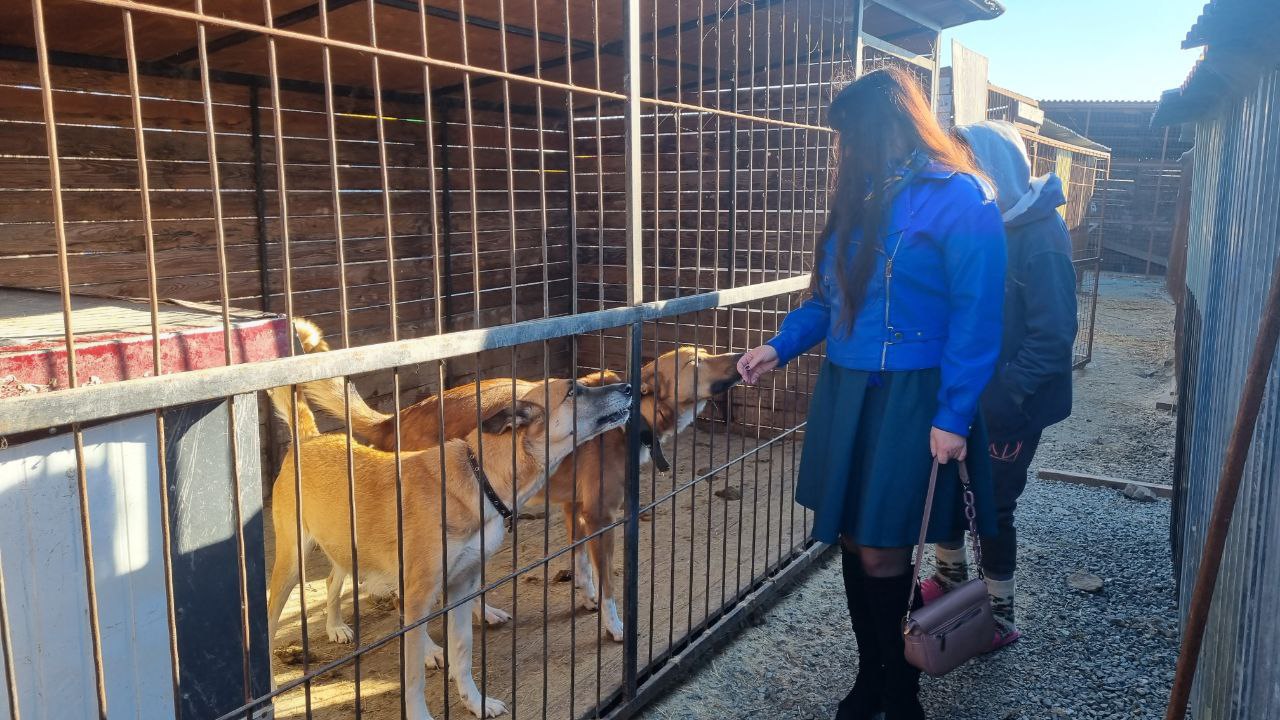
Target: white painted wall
<point>41,556</point>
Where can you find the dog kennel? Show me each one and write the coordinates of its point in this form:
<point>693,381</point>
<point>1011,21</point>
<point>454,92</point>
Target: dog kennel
<point>452,191</point>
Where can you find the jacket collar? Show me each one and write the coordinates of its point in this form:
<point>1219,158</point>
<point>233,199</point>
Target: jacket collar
<point>899,195</point>
<point>936,171</point>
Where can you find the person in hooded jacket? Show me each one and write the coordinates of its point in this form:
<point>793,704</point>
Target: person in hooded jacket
<point>1031,389</point>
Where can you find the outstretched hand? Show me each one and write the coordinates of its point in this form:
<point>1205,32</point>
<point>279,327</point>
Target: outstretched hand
<point>757,361</point>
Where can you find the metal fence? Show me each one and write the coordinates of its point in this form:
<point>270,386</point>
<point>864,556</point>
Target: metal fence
<point>1233,226</point>
<point>453,194</point>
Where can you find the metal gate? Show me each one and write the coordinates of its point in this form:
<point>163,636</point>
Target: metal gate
<point>453,192</point>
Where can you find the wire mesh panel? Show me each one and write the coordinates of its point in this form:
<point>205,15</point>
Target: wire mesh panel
<point>1083,172</point>
<point>534,239</point>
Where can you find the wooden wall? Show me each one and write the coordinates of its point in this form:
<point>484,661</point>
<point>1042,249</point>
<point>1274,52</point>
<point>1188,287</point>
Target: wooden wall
<point>105,228</point>
<point>489,200</point>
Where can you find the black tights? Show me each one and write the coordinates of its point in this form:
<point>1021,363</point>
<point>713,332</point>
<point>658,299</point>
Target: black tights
<point>880,562</point>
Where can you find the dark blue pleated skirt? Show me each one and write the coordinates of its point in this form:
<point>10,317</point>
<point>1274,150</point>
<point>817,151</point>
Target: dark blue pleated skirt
<point>865,467</point>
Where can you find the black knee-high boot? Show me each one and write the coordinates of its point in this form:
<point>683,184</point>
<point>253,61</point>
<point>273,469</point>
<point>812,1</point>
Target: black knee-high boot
<point>887,600</point>
<point>864,700</point>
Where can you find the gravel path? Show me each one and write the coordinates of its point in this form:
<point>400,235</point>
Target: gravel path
<point>1105,655</point>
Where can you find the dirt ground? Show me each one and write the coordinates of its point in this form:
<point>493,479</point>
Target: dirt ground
<point>1103,655</point>
<point>1115,428</point>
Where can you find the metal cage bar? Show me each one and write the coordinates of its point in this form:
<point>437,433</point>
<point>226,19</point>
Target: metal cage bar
<point>360,221</point>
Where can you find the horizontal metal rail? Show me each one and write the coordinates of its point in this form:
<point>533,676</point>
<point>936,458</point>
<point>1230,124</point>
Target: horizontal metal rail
<point>97,402</point>
<point>134,5</point>
<point>363,49</point>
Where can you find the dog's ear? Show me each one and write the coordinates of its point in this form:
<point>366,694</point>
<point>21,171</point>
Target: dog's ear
<point>509,417</point>
<point>648,379</point>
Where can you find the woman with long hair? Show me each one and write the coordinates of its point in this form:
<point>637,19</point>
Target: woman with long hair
<point>907,288</point>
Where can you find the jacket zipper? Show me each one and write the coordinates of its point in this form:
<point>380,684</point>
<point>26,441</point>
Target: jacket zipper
<point>888,295</point>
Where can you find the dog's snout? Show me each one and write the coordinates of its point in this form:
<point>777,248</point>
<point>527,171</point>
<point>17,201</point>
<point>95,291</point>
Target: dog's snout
<point>625,389</point>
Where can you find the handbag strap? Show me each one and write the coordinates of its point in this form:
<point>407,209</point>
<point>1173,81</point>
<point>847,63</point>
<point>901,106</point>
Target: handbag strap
<point>970,513</point>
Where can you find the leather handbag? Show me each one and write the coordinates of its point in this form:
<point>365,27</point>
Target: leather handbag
<point>958,626</point>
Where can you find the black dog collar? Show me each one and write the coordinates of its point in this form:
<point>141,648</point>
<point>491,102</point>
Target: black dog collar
<point>649,439</point>
<point>489,492</point>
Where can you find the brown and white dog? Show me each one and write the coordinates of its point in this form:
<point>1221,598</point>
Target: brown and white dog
<point>539,428</point>
<point>589,485</point>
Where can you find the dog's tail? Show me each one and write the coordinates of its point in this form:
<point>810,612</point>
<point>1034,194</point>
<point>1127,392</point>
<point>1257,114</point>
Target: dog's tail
<point>328,394</point>
<point>310,336</point>
<point>280,402</point>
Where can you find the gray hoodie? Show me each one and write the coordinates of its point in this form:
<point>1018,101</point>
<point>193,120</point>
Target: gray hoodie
<point>1003,157</point>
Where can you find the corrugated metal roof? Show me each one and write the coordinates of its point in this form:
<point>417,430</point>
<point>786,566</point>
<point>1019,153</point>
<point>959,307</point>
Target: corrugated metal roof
<point>947,13</point>
<point>1239,41</point>
<point>1062,133</point>
<point>950,13</point>
<point>1136,104</point>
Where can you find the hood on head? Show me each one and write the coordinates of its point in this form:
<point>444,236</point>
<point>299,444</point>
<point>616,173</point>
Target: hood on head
<point>1002,155</point>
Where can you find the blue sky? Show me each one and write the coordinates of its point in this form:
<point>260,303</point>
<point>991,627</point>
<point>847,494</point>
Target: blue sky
<point>1085,49</point>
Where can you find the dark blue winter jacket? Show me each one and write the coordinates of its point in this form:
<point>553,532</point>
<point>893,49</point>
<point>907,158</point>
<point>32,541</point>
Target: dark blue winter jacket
<point>1031,389</point>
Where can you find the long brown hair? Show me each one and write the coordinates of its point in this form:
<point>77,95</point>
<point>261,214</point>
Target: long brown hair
<point>880,119</point>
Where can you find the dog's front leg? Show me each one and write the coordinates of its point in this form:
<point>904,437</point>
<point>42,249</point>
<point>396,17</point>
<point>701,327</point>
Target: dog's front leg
<point>460,642</point>
<point>601,549</point>
<point>414,672</point>
<point>338,631</point>
<point>576,525</point>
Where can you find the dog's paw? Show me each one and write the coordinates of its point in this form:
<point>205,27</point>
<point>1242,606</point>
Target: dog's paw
<point>493,616</point>
<point>341,634</point>
<point>493,707</point>
<point>613,623</point>
<point>588,603</point>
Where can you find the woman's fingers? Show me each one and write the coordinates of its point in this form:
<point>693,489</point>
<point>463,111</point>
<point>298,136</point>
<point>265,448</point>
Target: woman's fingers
<point>756,362</point>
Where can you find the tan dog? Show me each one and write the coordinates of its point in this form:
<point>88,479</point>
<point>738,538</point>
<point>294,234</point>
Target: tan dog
<point>539,429</point>
<point>676,387</point>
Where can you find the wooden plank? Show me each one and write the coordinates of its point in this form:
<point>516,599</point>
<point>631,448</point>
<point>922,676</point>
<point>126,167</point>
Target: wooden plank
<point>101,141</point>
<point>1109,243</point>
<point>125,235</point>
<point>1102,481</point>
<point>115,205</point>
<point>102,107</point>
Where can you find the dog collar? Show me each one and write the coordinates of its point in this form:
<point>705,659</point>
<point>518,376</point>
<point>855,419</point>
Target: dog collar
<point>649,439</point>
<point>485,485</point>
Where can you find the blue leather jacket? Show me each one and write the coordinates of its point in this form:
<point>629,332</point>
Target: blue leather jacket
<point>939,307</point>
